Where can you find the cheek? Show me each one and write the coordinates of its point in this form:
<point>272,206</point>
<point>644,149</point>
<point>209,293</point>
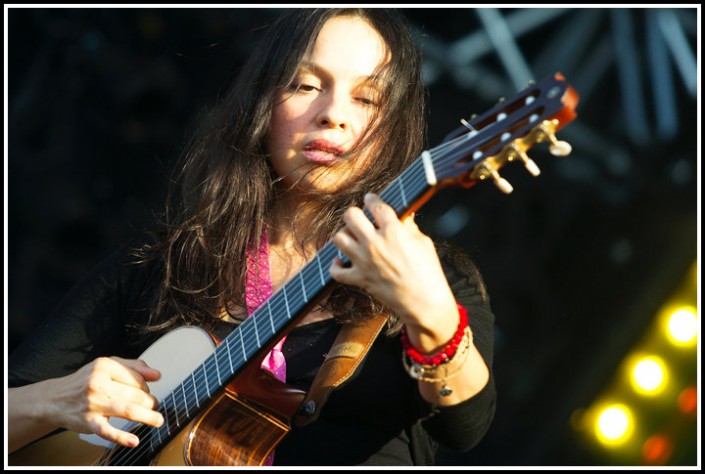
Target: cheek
<point>285,121</point>
<point>279,132</point>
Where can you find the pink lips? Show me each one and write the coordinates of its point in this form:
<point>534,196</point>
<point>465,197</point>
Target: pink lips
<point>322,152</point>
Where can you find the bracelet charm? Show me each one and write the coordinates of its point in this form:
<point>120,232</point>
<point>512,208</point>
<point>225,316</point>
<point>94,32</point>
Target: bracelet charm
<point>416,371</point>
<point>450,368</point>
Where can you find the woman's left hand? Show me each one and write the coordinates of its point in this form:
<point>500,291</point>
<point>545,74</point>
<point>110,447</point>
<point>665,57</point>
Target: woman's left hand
<point>397,264</point>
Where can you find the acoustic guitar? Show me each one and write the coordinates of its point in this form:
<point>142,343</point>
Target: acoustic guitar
<point>219,407</point>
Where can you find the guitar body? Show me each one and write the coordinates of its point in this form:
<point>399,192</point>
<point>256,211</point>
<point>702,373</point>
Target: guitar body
<point>62,449</point>
<point>240,427</point>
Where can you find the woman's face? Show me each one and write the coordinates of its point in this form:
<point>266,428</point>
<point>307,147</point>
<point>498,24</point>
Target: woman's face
<point>328,107</point>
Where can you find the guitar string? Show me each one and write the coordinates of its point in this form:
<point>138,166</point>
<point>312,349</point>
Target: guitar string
<point>397,201</point>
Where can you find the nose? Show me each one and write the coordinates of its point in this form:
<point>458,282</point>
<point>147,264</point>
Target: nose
<point>333,113</point>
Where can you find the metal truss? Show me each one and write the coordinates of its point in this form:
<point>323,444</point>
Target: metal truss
<point>638,65</point>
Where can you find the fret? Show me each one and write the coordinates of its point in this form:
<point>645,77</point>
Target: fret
<point>176,410</point>
<point>230,357</point>
<point>397,193</point>
<point>286,302</point>
<point>303,286</point>
<point>401,190</point>
<point>195,390</point>
<point>183,394</point>
<point>320,269</point>
<point>166,425</point>
<point>271,318</point>
<point>242,344</point>
<point>254,323</point>
<point>205,378</point>
<point>159,435</point>
<point>217,367</point>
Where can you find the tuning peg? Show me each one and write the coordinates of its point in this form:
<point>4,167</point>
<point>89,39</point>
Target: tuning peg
<point>556,147</point>
<point>559,147</point>
<point>485,170</point>
<point>514,151</point>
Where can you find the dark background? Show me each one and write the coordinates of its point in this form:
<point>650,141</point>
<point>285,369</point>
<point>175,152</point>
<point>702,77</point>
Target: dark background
<point>577,261</point>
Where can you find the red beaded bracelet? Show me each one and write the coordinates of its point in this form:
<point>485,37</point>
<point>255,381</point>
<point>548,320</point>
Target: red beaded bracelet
<point>448,351</point>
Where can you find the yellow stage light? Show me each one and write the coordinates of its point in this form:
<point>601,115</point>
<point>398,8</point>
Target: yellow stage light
<point>682,326</point>
<point>646,413</point>
<point>649,375</point>
<point>614,425</point>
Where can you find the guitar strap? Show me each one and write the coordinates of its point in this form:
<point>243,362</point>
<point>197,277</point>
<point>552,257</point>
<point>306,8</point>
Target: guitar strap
<point>348,350</point>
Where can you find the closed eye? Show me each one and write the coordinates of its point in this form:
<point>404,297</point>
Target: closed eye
<point>367,101</point>
<point>303,87</point>
<point>306,87</point>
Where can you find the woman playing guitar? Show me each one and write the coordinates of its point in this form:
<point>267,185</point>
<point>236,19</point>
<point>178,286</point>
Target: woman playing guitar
<point>328,110</point>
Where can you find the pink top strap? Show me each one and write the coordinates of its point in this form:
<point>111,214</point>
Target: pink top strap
<point>258,288</point>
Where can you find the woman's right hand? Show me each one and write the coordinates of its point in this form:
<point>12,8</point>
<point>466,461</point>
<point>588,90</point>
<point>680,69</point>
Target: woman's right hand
<point>83,401</point>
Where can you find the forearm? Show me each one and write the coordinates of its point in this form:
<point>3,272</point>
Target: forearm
<point>27,418</point>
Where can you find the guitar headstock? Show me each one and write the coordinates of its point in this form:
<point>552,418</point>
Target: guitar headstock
<point>476,150</point>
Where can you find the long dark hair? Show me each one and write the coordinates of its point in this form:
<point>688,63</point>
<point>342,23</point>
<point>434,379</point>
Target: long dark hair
<point>223,189</point>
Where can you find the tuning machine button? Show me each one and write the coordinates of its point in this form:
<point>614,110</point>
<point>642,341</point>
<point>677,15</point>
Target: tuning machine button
<point>514,151</point>
<point>556,147</point>
<point>559,147</point>
<point>486,170</point>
